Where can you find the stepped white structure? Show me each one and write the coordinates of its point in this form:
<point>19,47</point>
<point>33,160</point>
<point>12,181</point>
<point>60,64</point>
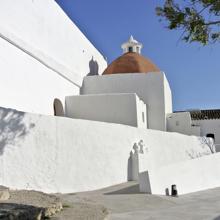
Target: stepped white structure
<point>116,124</point>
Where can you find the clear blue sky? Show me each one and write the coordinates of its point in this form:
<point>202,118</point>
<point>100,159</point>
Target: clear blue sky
<point>192,70</point>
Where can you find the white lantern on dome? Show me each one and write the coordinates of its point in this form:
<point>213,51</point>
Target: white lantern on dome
<point>132,45</point>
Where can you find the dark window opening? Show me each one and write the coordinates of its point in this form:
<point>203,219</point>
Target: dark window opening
<point>130,49</point>
<point>211,136</point>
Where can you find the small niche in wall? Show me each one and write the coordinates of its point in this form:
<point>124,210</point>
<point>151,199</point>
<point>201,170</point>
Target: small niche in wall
<point>143,118</point>
<point>58,107</point>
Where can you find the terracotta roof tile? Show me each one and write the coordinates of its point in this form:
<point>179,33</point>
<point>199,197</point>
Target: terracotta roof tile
<point>131,63</point>
<point>205,114</point>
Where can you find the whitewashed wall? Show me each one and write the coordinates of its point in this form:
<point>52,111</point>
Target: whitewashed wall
<point>168,101</point>
<point>157,176</point>
<point>210,126</point>
<point>114,108</point>
<point>142,120</point>
<point>189,176</point>
<point>43,55</point>
<point>28,85</point>
<point>149,88</point>
<point>181,122</point>
<point>55,154</point>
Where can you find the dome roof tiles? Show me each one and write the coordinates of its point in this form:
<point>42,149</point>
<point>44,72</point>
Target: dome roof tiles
<point>131,62</point>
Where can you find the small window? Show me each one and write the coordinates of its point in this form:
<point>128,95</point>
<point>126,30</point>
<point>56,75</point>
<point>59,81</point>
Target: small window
<point>130,49</point>
<point>177,123</point>
<point>211,136</point>
<point>143,118</point>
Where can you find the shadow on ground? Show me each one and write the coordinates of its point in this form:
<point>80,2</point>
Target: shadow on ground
<point>128,190</point>
<point>18,211</point>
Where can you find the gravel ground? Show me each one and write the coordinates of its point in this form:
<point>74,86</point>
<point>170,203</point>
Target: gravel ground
<point>122,202</point>
<point>29,205</point>
<point>82,211</point>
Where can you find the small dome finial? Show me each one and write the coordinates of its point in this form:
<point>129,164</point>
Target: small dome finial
<point>132,45</point>
<point>131,38</point>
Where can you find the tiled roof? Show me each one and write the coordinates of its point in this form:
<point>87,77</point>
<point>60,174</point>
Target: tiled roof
<point>205,114</point>
<point>131,62</point>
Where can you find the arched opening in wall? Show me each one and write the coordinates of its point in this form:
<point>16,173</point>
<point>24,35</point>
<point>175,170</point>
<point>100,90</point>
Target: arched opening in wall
<point>58,108</point>
<point>211,136</point>
<point>130,49</point>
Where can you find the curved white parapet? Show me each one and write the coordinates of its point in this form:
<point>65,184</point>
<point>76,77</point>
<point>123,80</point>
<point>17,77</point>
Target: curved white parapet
<point>56,154</point>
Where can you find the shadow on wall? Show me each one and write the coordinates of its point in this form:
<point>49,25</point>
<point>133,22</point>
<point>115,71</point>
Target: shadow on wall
<point>93,68</point>
<point>12,127</point>
<point>130,170</point>
<point>206,144</point>
<point>217,218</point>
<point>58,108</point>
<point>132,166</point>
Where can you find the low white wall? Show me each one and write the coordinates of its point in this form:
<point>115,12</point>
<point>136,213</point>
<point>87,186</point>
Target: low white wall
<point>210,126</point>
<point>181,122</point>
<point>114,108</point>
<point>56,154</point>
<point>43,55</point>
<point>189,176</point>
<point>149,87</point>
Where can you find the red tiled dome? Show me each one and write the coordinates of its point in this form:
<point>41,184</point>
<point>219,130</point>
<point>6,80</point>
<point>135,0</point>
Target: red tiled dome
<point>131,63</point>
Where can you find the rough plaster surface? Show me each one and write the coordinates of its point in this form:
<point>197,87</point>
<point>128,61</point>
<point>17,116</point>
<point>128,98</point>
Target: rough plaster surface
<point>43,55</point>
<point>55,154</point>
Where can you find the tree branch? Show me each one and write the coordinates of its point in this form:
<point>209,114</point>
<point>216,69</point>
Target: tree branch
<point>212,23</point>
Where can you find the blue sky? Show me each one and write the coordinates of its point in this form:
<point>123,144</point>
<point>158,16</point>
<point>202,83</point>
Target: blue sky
<point>192,70</point>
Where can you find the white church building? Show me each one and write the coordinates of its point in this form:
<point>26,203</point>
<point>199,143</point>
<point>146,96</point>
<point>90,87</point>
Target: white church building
<point>133,91</point>
<point>70,122</point>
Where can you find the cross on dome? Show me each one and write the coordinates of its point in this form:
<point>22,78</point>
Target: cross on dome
<point>132,45</point>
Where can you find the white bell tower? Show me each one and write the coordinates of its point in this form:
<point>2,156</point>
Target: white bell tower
<point>132,45</point>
